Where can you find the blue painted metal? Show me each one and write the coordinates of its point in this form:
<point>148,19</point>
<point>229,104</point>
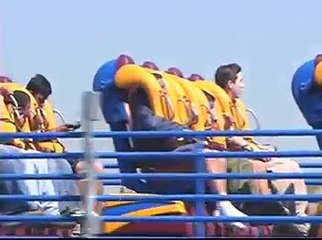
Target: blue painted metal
<point>200,177</point>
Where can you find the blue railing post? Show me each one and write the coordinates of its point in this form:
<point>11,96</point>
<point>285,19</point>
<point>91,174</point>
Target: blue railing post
<point>89,115</point>
<point>200,189</point>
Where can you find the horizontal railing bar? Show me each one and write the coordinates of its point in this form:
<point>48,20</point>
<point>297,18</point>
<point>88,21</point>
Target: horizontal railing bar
<point>250,219</point>
<point>41,155</point>
<point>193,176</point>
<point>180,155</point>
<point>47,218</point>
<point>10,176</point>
<point>40,198</point>
<point>159,134</point>
<point>212,197</point>
<point>168,176</point>
<point>313,183</point>
<point>111,165</point>
<point>162,155</point>
<point>160,198</point>
<point>302,165</point>
<point>311,165</point>
<point>112,182</point>
<point>119,182</point>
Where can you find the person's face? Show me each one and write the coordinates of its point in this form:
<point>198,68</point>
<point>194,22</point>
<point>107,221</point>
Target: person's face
<point>235,88</point>
<point>40,99</point>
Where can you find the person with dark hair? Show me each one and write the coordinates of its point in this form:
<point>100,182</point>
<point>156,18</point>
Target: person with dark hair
<point>15,108</point>
<point>42,119</point>
<point>230,78</point>
<point>40,88</point>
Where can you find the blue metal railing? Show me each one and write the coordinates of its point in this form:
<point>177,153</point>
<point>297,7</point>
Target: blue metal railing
<point>199,198</point>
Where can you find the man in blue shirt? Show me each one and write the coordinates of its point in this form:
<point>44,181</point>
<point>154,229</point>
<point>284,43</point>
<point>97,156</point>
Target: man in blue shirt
<point>307,92</point>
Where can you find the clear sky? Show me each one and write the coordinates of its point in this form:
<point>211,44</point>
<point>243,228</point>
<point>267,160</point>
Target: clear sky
<point>67,40</point>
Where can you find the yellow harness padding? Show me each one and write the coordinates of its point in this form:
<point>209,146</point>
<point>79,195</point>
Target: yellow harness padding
<point>186,113</point>
<point>199,103</point>
<point>8,116</point>
<point>176,96</point>
<point>50,145</point>
<point>241,120</point>
<point>218,112</point>
<point>219,93</point>
<point>158,91</point>
<point>168,208</point>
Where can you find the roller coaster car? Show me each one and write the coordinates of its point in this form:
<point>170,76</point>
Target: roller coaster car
<point>112,103</point>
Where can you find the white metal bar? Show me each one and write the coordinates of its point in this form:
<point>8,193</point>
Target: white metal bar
<point>89,115</point>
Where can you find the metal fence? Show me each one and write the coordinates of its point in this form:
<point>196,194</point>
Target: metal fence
<point>88,134</point>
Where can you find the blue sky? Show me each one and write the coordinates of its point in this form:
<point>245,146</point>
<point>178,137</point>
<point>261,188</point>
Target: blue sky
<point>67,40</point>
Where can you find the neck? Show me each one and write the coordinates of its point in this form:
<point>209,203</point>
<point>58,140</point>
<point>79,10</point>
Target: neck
<point>231,96</point>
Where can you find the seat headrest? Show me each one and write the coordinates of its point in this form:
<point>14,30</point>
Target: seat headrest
<point>195,77</point>
<point>124,60</point>
<point>150,65</point>
<point>175,71</point>
<point>5,79</point>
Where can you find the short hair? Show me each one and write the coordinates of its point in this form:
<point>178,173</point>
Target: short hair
<point>22,98</point>
<point>225,73</point>
<point>39,84</point>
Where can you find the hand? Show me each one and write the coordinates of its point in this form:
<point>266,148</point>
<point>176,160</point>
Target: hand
<point>64,128</point>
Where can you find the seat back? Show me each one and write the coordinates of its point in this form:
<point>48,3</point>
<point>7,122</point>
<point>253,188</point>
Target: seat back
<point>157,90</point>
<point>198,102</point>
<point>218,114</point>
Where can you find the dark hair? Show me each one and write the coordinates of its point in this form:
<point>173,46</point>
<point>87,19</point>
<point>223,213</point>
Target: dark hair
<point>22,98</point>
<point>225,73</point>
<point>39,84</point>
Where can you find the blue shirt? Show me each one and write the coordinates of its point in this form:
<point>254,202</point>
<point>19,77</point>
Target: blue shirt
<point>111,99</point>
<point>306,94</point>
<point>114,113</point>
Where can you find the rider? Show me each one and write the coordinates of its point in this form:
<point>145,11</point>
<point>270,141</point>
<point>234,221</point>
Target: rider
<point>306,91</point>
<point>15,110</point>
<point>42,119</point>
<point>144,119</point>
<point>230,78</point>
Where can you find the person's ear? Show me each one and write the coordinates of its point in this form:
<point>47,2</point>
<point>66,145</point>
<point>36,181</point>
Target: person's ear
<point>230,84</point>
